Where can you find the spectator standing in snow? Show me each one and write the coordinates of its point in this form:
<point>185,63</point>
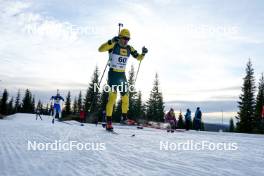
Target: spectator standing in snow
<point>197,119</point>
<point>82,116</point>
<point>180,122</point>
<point>188,119</point>
<point>171,119</point>
<point>38,114</point>
<point>96,120</point>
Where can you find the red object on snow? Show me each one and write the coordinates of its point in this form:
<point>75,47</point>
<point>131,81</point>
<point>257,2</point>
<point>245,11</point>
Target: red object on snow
<point>82,114</point>
<point>262,114</point>
<point>131,122</point>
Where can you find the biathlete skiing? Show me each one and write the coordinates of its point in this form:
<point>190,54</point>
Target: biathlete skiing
<point>56,106</point>
<point>119,52</point>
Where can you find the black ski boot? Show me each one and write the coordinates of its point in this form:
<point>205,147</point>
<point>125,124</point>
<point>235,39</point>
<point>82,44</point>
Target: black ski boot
<point>123,119</point>
<point>109,126</point>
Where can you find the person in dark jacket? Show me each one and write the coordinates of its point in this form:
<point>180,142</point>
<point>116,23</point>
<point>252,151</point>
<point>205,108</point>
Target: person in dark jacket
<point>197,119</point>
<point>82,116</point>
<point>188,119</point>
<point>38,114</point>
<point>171,119</point>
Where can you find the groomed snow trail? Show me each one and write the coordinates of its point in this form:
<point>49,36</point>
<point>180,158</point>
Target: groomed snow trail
<point>123,154</point>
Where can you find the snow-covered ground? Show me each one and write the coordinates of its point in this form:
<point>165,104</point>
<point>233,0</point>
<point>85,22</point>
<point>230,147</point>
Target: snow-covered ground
<point>121,154</point>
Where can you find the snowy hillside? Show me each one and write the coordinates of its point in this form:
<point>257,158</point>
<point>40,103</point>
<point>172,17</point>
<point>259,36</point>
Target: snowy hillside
<point>149,152</point>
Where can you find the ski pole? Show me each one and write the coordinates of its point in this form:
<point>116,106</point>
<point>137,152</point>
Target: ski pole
<point>102,75</point>
<point>119,25</point>
<point>144,51</point>
<point>137,72</point>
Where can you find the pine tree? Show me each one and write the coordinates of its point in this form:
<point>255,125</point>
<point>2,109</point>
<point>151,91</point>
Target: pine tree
<point>132,114</point>
<point>92,93</point>
<point>231,125</point>
<point>27,102</point>
<point>259,105</point>
<point>80,102</point>
<point>193,124</point>
<point>102,104</point>
<point>0,106</point>
<point>117,111</point>
<point>202,126</point>
<point>260,97</point>
<point>10,106</point>
<point>47,109</point>
<point>75,106</point>
<point>155,104</point>
<point>3,103</point>
<point>33,104</point>
<point>17,102</point>
<point>68,104</point>
<point>181,122</point>
<point>139,107</point>
<point>247,102</point>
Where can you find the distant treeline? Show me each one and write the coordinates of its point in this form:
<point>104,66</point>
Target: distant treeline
<point>94,102</point>
<point>249,118</point>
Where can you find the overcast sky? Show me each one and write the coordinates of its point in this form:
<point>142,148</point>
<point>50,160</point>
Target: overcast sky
<point>198,47</point>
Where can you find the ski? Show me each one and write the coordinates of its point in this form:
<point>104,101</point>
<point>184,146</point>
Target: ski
<point>65,122</point>
<point>113,132</point>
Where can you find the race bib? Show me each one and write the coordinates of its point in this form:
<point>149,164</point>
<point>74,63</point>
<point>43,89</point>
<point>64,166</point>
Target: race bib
<point>57,101</point>
<point>118,62</point>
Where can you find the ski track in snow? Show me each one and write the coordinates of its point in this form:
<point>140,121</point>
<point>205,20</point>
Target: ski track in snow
<point>124,155</point>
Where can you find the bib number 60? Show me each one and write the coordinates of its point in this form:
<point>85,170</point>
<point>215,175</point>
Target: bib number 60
<point>122,59</point>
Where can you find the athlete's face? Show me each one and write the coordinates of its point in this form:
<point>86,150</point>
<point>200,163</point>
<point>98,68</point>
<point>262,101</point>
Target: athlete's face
<point>124,40</point>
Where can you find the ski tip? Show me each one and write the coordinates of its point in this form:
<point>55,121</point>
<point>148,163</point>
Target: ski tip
<point>111,131</point>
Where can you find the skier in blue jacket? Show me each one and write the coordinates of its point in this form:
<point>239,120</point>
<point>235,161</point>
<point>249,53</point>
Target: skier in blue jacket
<point>56,106</point>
